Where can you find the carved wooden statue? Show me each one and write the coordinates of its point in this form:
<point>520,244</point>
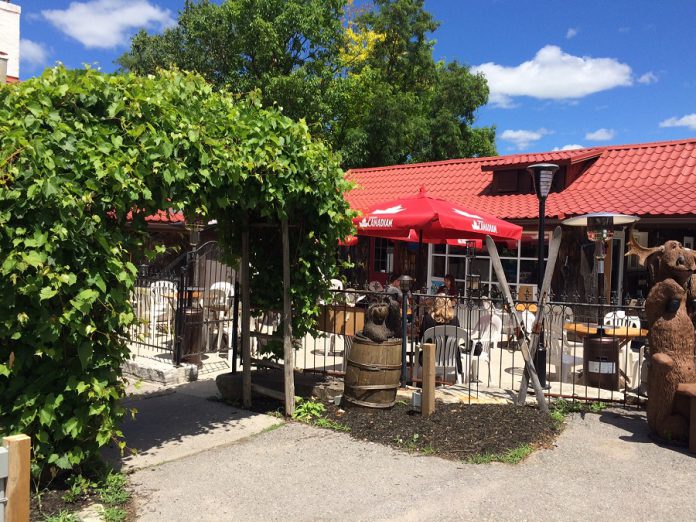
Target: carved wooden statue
<point>669,311</point>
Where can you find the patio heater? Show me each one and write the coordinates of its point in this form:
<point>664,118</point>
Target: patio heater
<point>600,229</point>
<point>542,177</point>
<point>405,282</point>
<point>194,228</point>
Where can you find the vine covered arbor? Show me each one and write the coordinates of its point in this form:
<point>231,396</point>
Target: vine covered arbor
<point>84,157</point>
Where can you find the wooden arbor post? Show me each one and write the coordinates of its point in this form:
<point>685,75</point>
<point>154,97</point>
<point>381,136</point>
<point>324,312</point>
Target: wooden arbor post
<point>246,316</point>
<point>288,350</point>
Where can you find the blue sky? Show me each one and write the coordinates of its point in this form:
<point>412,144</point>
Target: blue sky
<point>561,73</point>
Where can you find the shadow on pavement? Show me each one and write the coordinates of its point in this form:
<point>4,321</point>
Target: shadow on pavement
<point>170,423</point>
<point>636,424</point>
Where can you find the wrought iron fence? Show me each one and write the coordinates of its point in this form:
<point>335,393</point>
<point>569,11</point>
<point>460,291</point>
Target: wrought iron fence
<point>191,313</point>
<point>578,359</point>
<point>186,311</point>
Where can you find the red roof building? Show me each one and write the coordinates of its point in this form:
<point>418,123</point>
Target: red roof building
<point>656,181</point>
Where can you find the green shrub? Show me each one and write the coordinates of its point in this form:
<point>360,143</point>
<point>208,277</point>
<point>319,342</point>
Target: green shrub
<point>84,157</point>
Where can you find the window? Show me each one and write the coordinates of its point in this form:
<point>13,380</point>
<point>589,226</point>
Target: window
<point>384,255</point>
<point>519,181</point>
<point>519,261</point>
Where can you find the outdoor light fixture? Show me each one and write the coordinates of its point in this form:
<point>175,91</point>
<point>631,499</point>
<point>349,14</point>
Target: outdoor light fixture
<point>194,229</point>
<point>542,177</point>
<point>600,229</point>
<point>405,282</point>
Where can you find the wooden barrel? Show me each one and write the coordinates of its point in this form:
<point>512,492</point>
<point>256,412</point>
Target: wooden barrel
<point>372,373</point>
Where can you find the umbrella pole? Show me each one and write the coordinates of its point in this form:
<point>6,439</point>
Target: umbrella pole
<point>419,258</point>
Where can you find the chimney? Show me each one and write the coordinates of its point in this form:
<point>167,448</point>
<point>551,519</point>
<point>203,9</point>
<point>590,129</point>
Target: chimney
<point>3,67</point>
<point>9,41</point>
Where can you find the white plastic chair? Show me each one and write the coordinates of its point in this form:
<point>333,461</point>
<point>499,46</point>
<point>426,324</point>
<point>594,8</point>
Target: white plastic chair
<point>561,351</point>
<point>217,303</point>
<point>162,298</point>
<point>488,332</point>
<point>336,284</point>
<point>451,361</point>
<point>619,318</point>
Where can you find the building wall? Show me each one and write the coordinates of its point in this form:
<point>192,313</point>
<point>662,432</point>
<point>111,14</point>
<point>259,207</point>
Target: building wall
<point>9,36</point>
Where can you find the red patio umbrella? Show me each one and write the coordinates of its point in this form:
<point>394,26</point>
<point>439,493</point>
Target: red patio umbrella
<point>432,219</point>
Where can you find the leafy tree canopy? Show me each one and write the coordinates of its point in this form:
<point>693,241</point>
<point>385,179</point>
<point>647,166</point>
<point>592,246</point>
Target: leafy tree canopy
<point>79,151</point>
<point>363,78</point>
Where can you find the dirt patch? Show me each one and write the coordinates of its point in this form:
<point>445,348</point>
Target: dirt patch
<point>52,502</point>
<point>455,431</point>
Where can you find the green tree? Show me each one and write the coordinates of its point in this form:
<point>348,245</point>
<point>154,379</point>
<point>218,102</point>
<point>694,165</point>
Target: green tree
<point>285,48</point>
<point>364,79</point>
<point>79,151</point>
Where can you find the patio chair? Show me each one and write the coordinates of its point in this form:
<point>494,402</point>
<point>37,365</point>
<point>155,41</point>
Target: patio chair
<point>451,361</point>
<point>162,298</point>
<point>336,284</point>
<point>620,319</point>
<point>484,337</point>
<point>217,305</point>
<point>561,351</point>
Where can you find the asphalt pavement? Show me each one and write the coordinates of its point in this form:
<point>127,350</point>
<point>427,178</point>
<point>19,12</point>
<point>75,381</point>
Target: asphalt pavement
<point>604,467</point>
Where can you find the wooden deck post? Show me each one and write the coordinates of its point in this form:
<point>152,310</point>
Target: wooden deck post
<point>17,487</point>
<point>428,397</point>
<point>288,350</point>
<point>246,315</point>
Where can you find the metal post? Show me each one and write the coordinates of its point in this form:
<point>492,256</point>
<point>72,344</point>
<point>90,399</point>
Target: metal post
<point>235,324</point>
<point>540,355</point>
<point>179,317</point>
<point>404,337</point>
<point>600,254</point>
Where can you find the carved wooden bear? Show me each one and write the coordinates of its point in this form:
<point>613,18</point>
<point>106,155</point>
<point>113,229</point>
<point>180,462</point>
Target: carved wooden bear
<point>375,329</point>
<point>670,268</point>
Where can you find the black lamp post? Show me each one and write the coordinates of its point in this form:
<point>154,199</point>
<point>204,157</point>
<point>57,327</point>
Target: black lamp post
<point>405,285</point>
<point>542,176</point>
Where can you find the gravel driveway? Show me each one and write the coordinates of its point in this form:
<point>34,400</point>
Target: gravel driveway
<point>603,468</point>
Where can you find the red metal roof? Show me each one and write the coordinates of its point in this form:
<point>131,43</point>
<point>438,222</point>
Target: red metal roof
<point>655,179</point>
<point>162,216</point>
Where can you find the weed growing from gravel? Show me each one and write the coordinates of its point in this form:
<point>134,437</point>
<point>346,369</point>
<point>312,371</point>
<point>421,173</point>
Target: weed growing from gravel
<point>513,456</point>
<point>562,408</point>
<point>63,516</point>
<point>114,514</point>
<point>312,412</point>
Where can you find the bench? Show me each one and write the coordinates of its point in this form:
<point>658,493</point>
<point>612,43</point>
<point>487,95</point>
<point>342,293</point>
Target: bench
<point>689,390</point>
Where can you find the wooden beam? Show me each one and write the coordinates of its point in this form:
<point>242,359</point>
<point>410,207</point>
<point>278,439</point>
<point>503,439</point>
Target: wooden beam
<point>268,392</point>
<point>288,349</point>
<point>17,486</point>
<point>246,315</point>
<point>428,398</point>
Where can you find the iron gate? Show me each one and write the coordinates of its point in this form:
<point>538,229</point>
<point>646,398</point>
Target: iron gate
<point>187,311</point>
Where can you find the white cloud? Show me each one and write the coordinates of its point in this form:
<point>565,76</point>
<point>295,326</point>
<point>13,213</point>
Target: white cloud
<point>31,53</point>
<point>553,74</point>
<point>523,138</point>
<point>688,121</point>
<point>571,146</point>
<point>600,135</point>
<point>107,23</point>
<point>571,32</point>
<point>647,78</point>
